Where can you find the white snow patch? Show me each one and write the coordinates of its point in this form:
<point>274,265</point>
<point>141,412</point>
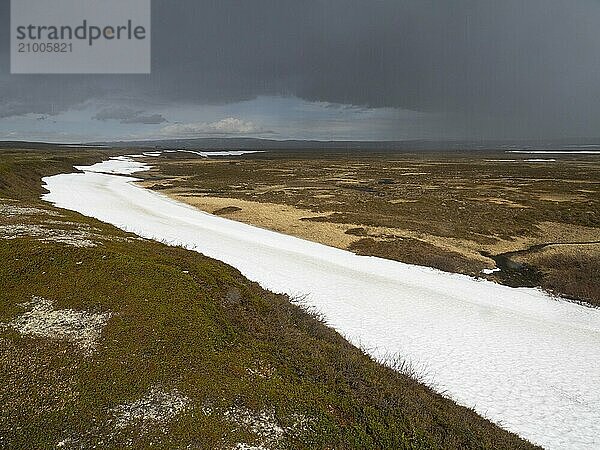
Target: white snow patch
<point>80,327</point>
<point>540,160</point>
<point>121,165</point>
<point>194,152</point>
<point>490,271</point>
<point>515,355</point>
<point>157,407</point>
<point>222,153</point>
<point>557,152</point>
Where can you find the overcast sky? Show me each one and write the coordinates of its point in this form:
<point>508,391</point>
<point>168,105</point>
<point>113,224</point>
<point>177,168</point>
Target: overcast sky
<point>331,69</point>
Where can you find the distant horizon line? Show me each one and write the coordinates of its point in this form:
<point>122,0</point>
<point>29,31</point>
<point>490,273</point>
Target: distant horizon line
<point>294,140</point>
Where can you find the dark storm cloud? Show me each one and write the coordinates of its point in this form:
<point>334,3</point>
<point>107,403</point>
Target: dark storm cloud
<point>146,119</point>
<point>497,68</point>
<point>125,114</point>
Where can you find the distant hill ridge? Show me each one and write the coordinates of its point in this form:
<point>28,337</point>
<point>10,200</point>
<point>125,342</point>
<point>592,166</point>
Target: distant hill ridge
<point>576,144</point>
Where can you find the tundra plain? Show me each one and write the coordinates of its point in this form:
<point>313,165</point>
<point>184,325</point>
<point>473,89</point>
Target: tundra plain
<point>534,217</point>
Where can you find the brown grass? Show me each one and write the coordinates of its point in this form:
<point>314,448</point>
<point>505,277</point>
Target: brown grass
<point>412,251</point>
<point>573,271</point>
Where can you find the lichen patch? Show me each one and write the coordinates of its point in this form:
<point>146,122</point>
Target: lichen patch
<point>14,211</point>
<point>269,431</point>
<point>75,238</point>
<point>157,407</point>
<point>82,328</point>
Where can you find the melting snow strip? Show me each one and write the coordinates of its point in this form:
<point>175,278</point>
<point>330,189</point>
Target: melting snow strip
<point>515,355</point>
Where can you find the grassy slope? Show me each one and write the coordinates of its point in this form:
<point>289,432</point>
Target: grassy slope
<point>184,322</point>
